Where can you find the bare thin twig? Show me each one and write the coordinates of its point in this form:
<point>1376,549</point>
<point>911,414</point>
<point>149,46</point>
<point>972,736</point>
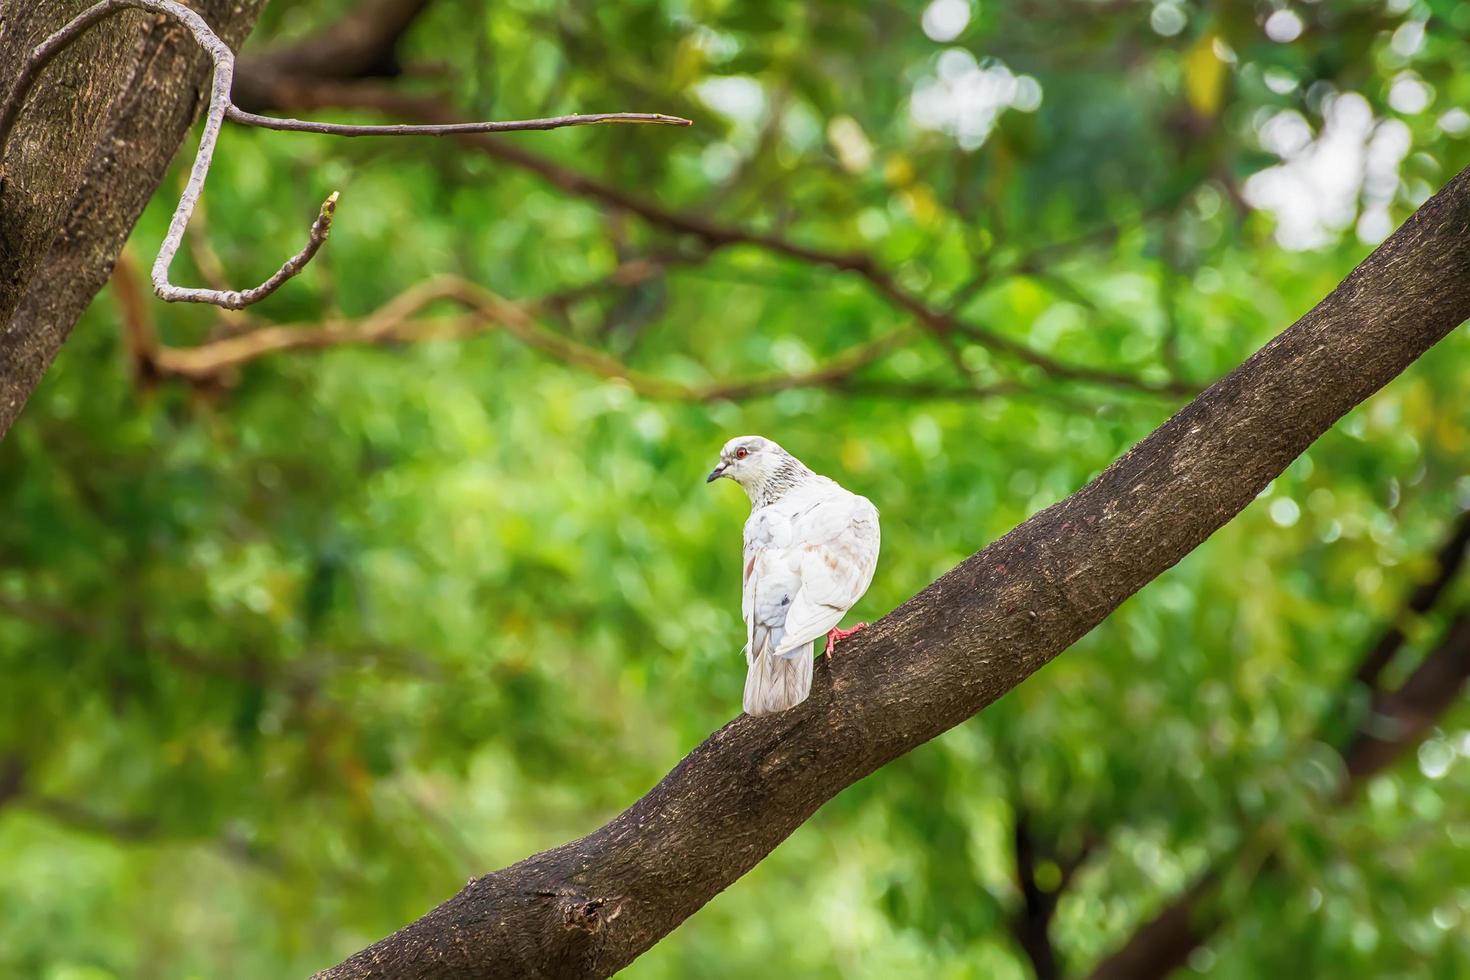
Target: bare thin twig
<point>305,92</point>
<point>220,108</point>
<point>236,114</point>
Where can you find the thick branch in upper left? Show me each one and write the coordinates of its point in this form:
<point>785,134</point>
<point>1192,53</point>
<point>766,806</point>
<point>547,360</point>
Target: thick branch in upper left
<point>222,108</point>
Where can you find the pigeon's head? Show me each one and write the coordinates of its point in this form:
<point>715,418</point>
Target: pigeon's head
<point>750,461</point>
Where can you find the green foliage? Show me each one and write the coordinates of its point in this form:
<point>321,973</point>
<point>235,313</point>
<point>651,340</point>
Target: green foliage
<point>286,662</point>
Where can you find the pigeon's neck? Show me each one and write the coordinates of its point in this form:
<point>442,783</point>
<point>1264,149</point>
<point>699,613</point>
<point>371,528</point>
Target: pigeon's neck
<point>787,475</point>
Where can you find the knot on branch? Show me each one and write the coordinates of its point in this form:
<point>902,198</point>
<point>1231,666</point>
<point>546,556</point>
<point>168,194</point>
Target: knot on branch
<point>585,914</point>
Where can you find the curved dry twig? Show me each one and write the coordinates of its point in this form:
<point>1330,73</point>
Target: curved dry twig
<point>400,321</point>
<point>220,108</point>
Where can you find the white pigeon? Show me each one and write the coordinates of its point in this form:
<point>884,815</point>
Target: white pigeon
<point>810,551</point>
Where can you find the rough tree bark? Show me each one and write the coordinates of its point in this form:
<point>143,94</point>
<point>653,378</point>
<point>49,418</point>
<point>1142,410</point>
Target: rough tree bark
<point>86,155</point>
<point>591,906</point>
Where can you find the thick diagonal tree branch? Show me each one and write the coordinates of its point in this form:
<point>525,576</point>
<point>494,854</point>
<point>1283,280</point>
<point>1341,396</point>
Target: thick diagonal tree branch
<point>589,907</point>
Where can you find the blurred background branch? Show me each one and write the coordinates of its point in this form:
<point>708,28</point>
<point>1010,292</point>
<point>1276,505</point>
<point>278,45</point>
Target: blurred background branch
<point>1394,723</point>
<point>303,92</point>
<point>399,322</point>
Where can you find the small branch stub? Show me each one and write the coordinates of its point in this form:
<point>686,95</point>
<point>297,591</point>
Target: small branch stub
<point>233,299</point>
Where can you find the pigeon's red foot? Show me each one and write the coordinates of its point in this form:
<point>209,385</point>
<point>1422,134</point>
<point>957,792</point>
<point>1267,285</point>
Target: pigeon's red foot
<point>837,635</point>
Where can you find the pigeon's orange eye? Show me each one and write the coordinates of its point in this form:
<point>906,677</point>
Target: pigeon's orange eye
<point>742,453</point>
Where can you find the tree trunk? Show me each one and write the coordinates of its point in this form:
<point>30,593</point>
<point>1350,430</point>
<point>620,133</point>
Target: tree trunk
<point>88,151</point>
<point>590,907</point>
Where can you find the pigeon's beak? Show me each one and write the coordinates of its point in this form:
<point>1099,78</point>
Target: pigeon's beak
<point>715,473</point>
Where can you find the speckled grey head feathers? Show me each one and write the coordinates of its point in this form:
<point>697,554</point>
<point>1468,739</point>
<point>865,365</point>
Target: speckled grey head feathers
<point>764,470</point>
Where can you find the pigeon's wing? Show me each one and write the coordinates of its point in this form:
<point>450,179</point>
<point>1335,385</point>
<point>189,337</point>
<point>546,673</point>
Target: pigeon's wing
<point>771,579</point>
<point>835,550</point>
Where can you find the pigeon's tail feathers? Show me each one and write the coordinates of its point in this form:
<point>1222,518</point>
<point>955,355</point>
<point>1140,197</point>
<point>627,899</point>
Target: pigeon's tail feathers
<point>778,682</point>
